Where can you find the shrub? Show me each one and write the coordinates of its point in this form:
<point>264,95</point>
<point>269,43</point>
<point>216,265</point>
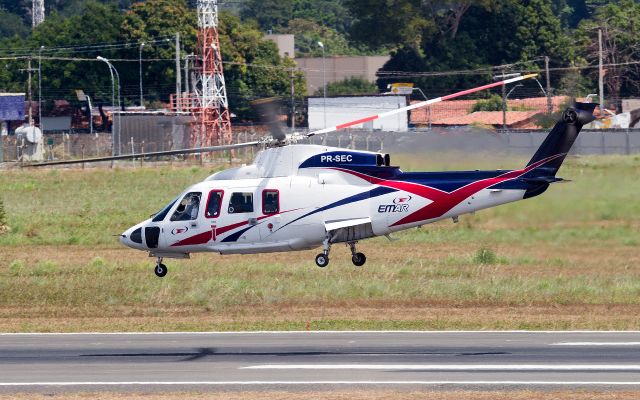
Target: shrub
<point>493,103</point>
<point>4,228</point>
<point>485,256</point>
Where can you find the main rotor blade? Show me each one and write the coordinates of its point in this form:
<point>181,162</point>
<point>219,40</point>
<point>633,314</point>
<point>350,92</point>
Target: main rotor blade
<point>151,154</point>
<point>267,111</point>
<point>419,105</point>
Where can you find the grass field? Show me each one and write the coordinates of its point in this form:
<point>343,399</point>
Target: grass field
<point>568,259</point>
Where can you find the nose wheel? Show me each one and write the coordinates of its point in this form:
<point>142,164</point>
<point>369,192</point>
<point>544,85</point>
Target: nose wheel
<point>160,269</point>
<point>322,260</point>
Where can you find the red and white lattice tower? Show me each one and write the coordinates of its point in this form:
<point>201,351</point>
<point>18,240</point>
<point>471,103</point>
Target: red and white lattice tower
<point>37,12</point>
<point>209,106</point>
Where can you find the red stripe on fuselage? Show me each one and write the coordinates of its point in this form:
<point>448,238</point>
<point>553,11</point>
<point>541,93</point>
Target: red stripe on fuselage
<point>443,201</point>
<point>205,237</point>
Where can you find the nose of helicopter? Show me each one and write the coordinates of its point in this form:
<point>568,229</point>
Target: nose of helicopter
<point>132,237</point>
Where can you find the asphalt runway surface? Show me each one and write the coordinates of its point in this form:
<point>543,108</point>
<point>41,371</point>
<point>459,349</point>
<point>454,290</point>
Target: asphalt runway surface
<point>319,361</point>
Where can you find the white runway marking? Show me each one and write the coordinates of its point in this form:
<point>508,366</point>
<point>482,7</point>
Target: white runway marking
<point>291,383</point>
<point>596,344</point>
<point>452,367</point>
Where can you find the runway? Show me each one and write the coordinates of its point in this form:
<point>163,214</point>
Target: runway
<point>319,361</point>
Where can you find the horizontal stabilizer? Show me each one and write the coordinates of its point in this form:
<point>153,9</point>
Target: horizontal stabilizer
<point>543,179</point>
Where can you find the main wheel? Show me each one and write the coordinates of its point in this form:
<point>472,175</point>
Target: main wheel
<point>358,259</point>
<point>160,270</point>
<point>322,260</point>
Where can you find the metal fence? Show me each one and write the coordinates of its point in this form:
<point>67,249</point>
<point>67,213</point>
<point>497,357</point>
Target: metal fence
<point>468,139</point>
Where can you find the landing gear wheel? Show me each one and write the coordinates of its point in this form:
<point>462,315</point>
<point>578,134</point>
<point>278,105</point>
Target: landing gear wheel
<point>358,259</point>
<point>160,270</point>
<point>322,260</point>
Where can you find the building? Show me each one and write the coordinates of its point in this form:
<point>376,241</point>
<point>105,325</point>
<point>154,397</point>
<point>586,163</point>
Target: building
<point>12,108</point>
<point>520,114</point>
<point>339,110</point>
<point>338,69</point>
<point>285,43</point>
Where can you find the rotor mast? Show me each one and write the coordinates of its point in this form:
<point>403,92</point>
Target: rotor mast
<point>210,107</point>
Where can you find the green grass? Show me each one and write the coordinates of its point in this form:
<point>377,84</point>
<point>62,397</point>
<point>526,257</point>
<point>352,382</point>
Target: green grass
<point>89,207</point>
<point>574,248</point>
<point>86,207</point>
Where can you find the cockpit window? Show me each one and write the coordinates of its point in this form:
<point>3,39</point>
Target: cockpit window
<point>213,204</point>
<point>241,203</point>
<point>159,217</point>
<point>188,208</point>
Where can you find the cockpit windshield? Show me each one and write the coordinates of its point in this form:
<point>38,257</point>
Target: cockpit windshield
<point>163,213</point>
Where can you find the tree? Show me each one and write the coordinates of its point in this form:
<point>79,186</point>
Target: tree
<point>620,25</point>
<point>95,23</point>
<point>309,33</point>
<point>12,25</point>
<point>155,22</point>
<point>539,33</point>
<point>332,14</point>
<point>349,87</point>
<point>397,23</point>
<point>276,14</point>
<point>253,67</point>
<point>493,103</point>
<point>269,14</point>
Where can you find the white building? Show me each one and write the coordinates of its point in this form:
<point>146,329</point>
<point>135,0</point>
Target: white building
<point>339,110</point>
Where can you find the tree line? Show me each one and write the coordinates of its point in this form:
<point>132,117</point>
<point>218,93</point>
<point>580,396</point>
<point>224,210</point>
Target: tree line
<point>420,36</point>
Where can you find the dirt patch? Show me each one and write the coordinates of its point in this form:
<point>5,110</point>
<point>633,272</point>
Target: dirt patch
<point>355,315</point>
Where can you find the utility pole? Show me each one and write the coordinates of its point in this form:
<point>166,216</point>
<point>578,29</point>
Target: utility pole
<point>40,89</point>
<point>178,75</point>
<point>140,73</point>
<point>29,70</point>
<point>293,101</point>
<point>30,96</point>
<point>546,68</point>
<point>504,105</point>
<point>600,73</point>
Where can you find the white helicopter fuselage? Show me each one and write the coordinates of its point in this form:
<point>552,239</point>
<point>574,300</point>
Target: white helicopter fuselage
<point>300,197</point>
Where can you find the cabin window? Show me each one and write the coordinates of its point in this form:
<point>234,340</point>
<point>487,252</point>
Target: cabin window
<point>188,208</point>
<point>270,201</point>
<point>214,204</point>
<point>241,203</point>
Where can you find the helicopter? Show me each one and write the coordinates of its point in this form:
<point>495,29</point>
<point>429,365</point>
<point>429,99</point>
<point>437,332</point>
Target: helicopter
<point>300,196</point>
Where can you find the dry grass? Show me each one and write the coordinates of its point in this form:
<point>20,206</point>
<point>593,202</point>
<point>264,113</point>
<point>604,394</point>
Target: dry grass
<point>343,395</point>
<point>566,260</point>
<point>73,288</point>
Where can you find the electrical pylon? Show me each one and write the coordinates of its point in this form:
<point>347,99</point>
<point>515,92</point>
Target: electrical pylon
<point>209,104</point>
<point>37,12</point>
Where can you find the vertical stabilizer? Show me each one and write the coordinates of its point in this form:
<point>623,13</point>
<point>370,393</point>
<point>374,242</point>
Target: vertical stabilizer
<point>559,141</point>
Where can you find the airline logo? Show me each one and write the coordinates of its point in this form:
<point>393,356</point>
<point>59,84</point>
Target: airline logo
<point>402,200</point>
<point>178,231</point>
